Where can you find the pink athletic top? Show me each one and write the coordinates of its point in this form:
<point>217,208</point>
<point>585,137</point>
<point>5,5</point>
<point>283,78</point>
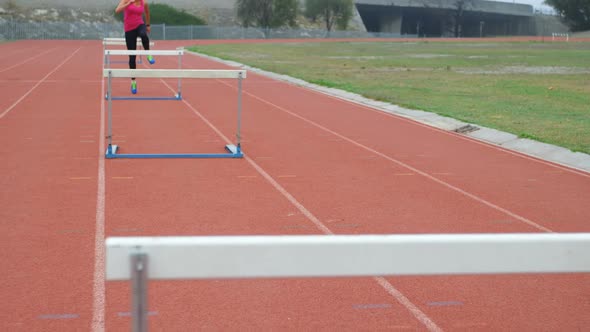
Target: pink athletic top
<point>133,16</point>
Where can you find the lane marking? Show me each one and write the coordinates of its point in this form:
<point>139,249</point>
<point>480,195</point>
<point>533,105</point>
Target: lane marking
<point>13,52</point>
<point>59,316</point>
<point>407,166</point>
<point>418,314</point>
<point>401,298</point>
<point>445,303</point>
<point>372,306</point>
<point>347,225</point>
<point>27,60</point>
<point>570,169</point>
<point>98,285</point>
<point>467,325</point>
<point>38,83</point>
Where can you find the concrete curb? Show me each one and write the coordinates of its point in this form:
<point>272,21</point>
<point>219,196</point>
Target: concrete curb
<point>544,151</point>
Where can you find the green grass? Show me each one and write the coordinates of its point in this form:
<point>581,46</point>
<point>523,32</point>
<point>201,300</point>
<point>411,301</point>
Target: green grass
<point>535,90</point>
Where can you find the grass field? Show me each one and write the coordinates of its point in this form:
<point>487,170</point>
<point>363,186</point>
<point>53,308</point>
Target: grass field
<point>537,90</point>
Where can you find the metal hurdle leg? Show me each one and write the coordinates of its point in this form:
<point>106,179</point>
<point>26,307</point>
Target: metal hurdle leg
<point>139,313</point>
<point>111,149</point>
<point>237,149</point>
<point>179,95</point>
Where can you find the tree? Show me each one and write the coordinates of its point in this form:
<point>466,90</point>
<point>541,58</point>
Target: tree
<point>458,15</point>
<point>267,14</point>
<point>337,12</point>
<point>574,13</point>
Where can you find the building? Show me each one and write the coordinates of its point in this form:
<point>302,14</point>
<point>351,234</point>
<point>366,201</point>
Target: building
<point>446,18</point>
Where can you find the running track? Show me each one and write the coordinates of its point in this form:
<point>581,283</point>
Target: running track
<point>314,165</point>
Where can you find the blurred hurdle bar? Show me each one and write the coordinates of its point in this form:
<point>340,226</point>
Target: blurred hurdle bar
<point>233,151</point>
<point>560,36</point>
<point>179,52</point>
<point>120,42</point>
<point>140,259</point>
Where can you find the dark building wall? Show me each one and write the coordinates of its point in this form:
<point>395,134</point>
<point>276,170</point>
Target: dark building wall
<point>428,18</point>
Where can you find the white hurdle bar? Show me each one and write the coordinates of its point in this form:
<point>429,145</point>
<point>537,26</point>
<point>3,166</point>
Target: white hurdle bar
<point>234,150</point>
<point>178,52</point>
<point>557,35</point>
<point>162,258</point>
<point>119,42</point>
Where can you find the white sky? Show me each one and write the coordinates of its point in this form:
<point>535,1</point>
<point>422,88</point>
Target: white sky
<point>537,4</point>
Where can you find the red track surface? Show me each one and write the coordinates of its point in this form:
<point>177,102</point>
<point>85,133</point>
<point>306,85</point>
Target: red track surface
<point>314,164</point>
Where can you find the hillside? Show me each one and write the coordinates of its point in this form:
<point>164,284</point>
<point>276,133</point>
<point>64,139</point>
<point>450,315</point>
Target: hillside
<point>215,12</point>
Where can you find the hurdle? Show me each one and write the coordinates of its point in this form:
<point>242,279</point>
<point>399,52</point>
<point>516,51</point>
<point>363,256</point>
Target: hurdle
<point>558,35</point>
<point>120,42</point>
<point>139,259</point>
<point>179,52</point>
<point>233,151</point>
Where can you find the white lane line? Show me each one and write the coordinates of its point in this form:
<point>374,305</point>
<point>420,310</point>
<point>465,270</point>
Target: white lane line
<point>98,287</point>
<point>27,60</point>
<point>403,300</point>
<point>463,137</point>
<point>411,168</point>
<point>567,168</point>
<point>36,85</point>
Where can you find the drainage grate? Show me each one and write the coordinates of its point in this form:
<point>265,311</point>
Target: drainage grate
<point>466,129</point>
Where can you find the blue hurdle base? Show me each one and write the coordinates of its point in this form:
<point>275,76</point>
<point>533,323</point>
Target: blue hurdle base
<point>177,96</point>
<point>234,152</point>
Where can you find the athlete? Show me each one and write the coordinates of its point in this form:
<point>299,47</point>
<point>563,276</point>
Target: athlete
<point>135,27</point>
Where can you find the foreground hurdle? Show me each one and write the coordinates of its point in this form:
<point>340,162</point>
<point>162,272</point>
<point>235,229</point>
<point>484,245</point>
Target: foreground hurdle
<point>160,258</point>
<point>234,151</point>
<point>179,52</point>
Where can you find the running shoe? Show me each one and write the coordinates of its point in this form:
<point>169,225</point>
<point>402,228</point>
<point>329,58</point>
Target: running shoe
<point>151,59</point>
<point>133,87</point>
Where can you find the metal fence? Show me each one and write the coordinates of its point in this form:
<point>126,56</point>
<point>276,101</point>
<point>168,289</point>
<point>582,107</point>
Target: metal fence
<point>14,30</point>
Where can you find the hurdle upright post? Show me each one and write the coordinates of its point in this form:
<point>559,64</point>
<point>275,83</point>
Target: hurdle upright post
<point>139,315</point>
<point>110,113</point>
<point>180,67</point>
<point>239,131</point>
